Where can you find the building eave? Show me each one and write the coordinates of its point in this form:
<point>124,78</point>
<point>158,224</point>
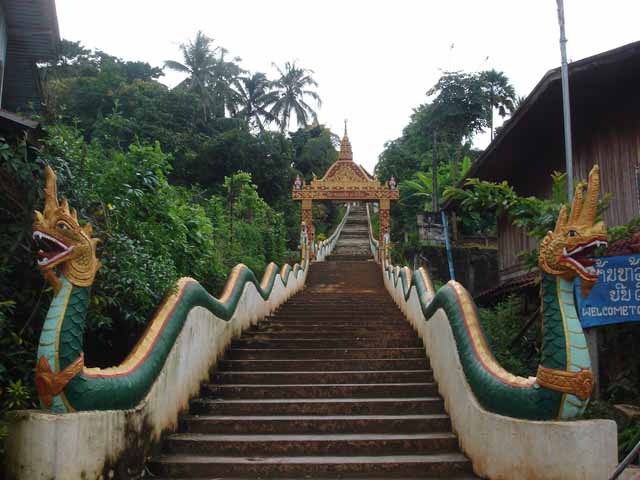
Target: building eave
<point>547,90</point>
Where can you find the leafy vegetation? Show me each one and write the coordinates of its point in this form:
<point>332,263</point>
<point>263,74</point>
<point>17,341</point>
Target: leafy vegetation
<point>628,438</point>
<point>536,215</point>
<point>176,182</point>
<point>460,106</point>
<point>502,324</point>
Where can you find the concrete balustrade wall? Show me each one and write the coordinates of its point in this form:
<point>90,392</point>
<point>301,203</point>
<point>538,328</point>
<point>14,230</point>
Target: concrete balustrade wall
<point>108,444</point>
<point>116,444</point>
<point>325,247</point>
<point>504,448</point>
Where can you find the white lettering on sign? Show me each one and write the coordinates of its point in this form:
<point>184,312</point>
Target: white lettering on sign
<point>615,298</point>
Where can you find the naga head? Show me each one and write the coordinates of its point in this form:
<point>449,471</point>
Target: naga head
<point>62,242</point>
<point>566,251</point>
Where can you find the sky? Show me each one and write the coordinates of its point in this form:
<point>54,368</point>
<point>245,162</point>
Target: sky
<point>373,60</point>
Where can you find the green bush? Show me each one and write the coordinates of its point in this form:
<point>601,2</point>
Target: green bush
<point>502,323</point>
<point>151,232</point>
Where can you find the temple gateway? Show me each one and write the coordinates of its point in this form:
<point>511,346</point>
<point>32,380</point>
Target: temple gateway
<point>345,181</point>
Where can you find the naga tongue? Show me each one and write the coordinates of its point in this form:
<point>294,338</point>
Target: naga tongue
<point>584,260</point>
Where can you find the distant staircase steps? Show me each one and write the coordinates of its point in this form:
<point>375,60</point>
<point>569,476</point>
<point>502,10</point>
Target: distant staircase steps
<point>353,243</point>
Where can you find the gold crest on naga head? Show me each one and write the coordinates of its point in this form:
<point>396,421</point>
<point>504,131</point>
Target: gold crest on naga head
<point>566,251</point>
<point>61,241</point>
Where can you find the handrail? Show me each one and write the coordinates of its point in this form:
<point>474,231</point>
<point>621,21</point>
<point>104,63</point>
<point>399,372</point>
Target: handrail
<point>373,243</point>
<point>626,462</point>
<point>325,247</point>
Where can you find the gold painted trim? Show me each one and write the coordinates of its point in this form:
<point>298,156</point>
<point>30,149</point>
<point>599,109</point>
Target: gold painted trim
<point>264,283</point>
<point>146,342</point>
<point>479,341</point>
<point>578,383</point>
<point>427,281</point>
<point>50,383</point>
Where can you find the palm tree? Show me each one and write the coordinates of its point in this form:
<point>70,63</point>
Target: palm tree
<point>199,62</point>
<point>500,94</point>
<point>225,82</point>
<point>292,88</point>
<point>421,186</point>
<point>255,96</point>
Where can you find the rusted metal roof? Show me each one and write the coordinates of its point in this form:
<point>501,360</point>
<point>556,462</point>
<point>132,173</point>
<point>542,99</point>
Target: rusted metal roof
<point>510,286</point>
<point>7,117</point>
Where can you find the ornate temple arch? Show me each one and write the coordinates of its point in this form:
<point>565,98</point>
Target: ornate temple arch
<point>345,181</point>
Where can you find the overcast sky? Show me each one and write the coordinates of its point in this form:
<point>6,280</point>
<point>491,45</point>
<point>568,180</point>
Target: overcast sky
<point>373,60</point>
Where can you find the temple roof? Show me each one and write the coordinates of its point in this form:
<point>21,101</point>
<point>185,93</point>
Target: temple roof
<point>345,180</point>
<point>345,169</point>
<point>346,154</point>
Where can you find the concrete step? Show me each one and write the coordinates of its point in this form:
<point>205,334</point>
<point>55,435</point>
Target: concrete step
<point>357,318</point>
<point>441,465</point>
<point>311,406</point>
<point>326,365</point>
<point>284,330</point>
<point>315,424</point>
<point>323,377</point>
<point>308,445</point>
<point>365,309</point>
<point>318,308</point>
<point>345,258</point>
<point>330,342</point>
<point>329,390</point>
<point>457,477</point>
<point>368,309</point>
<point>390,321</point>
<point>319,353</point>
<point>369,312</point>
<point>336,325</point>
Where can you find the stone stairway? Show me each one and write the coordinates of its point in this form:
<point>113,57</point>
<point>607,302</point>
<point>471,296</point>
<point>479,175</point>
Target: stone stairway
<point>353,243</point>
<point>335,384</point>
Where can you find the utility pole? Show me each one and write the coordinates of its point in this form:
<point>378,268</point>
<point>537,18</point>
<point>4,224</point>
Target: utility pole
<point>568,150</point>
<point>590,333</point>
<point>443,215</point>
<point>434,179</point>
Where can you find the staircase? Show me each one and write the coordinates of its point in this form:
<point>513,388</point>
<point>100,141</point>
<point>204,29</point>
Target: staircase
<point>335,384</point>
<point>353,243</point>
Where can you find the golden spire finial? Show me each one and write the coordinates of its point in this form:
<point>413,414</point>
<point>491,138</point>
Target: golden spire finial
<point>345,146</point>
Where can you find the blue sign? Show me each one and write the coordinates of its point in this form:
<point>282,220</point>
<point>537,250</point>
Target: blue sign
<point>615,298</point>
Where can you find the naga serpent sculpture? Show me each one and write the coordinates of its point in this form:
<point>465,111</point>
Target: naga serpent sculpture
<point>563,384</point>
<point>63,382</point>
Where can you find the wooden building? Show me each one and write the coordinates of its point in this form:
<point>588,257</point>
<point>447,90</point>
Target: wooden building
<point>28,35</point>
<point>605,112</point>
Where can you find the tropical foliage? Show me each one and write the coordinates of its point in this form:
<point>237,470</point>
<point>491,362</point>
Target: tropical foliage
<point>460,105</point>
<point>187,181</point>
<point>293,86</point>
<point>537,216</point>
<point>502,323</point>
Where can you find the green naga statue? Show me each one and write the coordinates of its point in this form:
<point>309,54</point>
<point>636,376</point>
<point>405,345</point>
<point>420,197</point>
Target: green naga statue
<point>563,384</point>
<point>67,259</point>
